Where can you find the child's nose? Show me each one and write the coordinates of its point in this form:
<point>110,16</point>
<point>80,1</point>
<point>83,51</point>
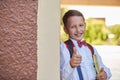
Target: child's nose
<point>79,29</point>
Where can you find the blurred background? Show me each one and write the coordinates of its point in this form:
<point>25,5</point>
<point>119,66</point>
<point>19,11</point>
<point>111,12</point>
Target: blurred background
<point>103,24</point>
<point>102,30</point>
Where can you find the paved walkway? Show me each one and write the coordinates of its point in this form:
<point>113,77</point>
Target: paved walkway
<point>111,57</point>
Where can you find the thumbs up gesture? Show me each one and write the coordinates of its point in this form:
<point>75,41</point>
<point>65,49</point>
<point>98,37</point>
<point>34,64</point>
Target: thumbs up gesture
<point>76,59</point>
<point>102,75</point>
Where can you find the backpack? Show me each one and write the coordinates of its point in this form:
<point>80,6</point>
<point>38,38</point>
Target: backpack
<point>70,45</point>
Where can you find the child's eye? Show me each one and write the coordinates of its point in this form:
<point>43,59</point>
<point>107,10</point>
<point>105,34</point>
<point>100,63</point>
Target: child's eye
<point>72,26</point>
<point>81,25</point>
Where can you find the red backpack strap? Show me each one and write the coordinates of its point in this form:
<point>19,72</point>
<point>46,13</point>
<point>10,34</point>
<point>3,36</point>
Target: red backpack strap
<point>91,48</point>
<point>69,45</point>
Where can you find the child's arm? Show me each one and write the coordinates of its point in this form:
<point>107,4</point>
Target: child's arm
<point>65,68</point>
<point>105,69</point>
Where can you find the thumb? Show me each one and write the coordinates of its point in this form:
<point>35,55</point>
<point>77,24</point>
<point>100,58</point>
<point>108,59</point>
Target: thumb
<point>74,50</point>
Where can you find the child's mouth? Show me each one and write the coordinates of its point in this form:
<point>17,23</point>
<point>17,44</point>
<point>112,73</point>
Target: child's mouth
<point>78,35</point>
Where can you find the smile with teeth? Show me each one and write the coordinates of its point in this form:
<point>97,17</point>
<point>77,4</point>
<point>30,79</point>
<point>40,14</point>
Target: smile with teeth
<point>78,35</point>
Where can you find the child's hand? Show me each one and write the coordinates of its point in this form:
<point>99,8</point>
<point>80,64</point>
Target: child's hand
<point>102,75</point>
<point>76,59</point>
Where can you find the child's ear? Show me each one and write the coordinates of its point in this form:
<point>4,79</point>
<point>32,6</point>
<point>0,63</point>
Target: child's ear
<point>65,29</point>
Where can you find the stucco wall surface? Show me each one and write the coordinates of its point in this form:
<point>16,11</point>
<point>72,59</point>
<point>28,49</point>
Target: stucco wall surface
<point>18,35</point>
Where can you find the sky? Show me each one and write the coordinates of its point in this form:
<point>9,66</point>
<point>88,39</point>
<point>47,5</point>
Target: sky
<point>111,14</point>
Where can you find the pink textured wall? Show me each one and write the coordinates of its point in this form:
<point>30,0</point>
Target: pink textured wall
<point>18,35</point>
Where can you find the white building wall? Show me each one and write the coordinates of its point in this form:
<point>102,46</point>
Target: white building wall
<point>48,39</point>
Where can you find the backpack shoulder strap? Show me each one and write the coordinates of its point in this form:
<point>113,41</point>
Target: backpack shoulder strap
<point>69,45</point>
<point>91,48</point>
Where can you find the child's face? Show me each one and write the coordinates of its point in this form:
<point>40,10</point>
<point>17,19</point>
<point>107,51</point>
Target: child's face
<point>75,27</point>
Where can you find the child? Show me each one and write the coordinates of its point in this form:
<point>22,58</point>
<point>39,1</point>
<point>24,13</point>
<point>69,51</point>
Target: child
<point>78,64</point>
